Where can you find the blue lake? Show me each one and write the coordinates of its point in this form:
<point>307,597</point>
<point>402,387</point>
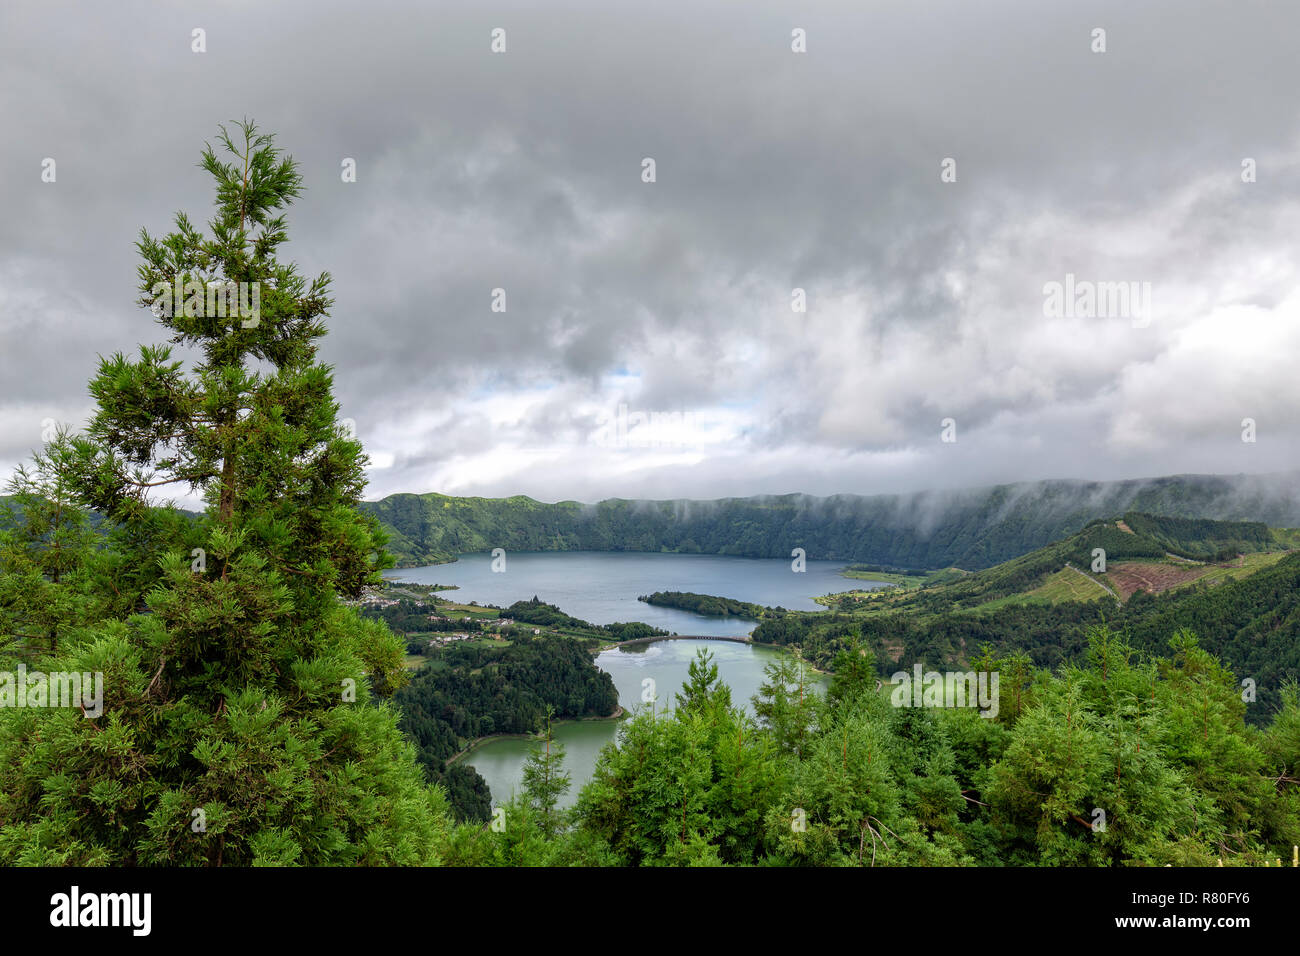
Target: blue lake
<point>602,587</point>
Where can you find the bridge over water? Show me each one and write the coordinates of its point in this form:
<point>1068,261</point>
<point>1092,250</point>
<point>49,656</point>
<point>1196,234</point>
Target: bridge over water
<point>734,638</point>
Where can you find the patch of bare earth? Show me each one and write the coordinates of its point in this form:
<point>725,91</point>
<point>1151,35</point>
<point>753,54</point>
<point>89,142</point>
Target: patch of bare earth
<point>1123,527</point>
<point>1130,576</point>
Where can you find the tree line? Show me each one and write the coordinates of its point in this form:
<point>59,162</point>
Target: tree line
<point>707,604</point>
<point>1121,759</point>
<point>970,530</point>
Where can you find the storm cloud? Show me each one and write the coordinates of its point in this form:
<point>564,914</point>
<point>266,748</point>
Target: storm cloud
<point>649,347</point>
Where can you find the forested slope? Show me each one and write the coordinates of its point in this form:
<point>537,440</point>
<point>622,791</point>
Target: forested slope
<point>969,529</point>
<point>478,691</point>
<point>1251,621</point>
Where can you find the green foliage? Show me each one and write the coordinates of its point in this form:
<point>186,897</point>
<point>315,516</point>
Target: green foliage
<point>688,788</point>
<point>541,613</point>
<point>472,692</point>
<point>52,578</point>
<point>247,714</point>
<point>244,721</point>
<point>544,779</point>
<point>971,530</point>
<point>548,615</point>
<point>1199,538</point>
<point>786,707</point>
<point>1252,622</point>
<point>852,676</point>
<point>702,689</point>
<point>1121,760</point>
<point>706,604</point>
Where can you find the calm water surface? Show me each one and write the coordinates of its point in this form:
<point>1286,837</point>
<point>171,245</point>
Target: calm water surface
<point>602,587</point>
<point>740,666</point>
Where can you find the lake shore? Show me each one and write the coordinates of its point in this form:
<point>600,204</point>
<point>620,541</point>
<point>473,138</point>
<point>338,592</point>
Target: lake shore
<point>663,670</point>
<point>618,714</point>
<point>603,587</point>
<point>734,639</point>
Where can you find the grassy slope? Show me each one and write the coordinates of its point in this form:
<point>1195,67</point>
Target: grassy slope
<point>1062,571</point>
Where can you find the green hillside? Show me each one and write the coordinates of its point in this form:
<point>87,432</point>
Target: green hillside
<point>1063,570</point>
<point>970,529</point>
<point>1245,609</point>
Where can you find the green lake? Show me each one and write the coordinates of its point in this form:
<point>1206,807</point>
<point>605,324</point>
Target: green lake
<point>740,666</point>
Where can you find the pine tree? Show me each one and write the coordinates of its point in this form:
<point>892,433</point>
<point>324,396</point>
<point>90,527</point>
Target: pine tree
<point>853,673</point>
<point>242,722</point>
<point>702,688</point>
<point>545,779</point>
<point>785,705</point>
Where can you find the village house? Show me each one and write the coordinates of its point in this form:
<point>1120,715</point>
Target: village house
<point>447,639</point>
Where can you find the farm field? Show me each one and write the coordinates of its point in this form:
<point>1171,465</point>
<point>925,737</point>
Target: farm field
<point>1127,577</point>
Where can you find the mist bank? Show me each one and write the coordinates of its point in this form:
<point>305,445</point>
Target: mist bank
<point>971,529</point>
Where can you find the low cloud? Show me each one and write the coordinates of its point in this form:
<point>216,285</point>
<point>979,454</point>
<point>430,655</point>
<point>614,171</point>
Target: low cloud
<point>775,171</point>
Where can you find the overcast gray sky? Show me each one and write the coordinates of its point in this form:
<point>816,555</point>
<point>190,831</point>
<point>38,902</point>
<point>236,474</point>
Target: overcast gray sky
<point>774,170</point>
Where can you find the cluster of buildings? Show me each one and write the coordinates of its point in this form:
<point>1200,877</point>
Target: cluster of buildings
<point>442,640</point>
<point>376,599</point>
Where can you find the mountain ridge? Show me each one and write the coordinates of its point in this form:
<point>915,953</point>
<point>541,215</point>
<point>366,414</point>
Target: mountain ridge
<point>971,528</point>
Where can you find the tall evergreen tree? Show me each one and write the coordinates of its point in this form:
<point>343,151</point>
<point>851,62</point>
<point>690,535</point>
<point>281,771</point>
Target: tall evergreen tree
<point>702,688</point>
<point>242,723</point>
<point>785,705</point>
<point>545,779</point>
<point>852,672</point>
